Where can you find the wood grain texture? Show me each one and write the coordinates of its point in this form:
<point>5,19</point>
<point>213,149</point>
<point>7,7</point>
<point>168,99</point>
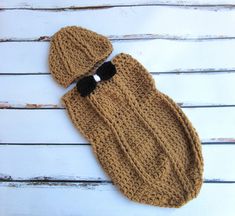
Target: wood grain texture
<point>178,22</point>
<point>159,56</point>
<point>104,199</point>
<point>199,89</point>
<point>54,126</point>
<point>47,167</point>
<point>78,163</point>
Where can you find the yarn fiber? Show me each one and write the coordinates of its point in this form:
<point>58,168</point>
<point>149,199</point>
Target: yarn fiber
<point>76,52</point>
<point>140,136</point>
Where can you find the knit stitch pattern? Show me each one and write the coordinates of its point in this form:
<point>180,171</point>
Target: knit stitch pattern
<point>141,137</point>
<point>76,52</point>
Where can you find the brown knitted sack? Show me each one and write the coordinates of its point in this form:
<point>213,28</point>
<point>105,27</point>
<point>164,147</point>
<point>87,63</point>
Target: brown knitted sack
<point>142,139</point>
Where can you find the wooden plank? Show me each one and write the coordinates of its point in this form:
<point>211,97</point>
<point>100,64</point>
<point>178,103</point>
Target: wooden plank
<point>156,55</point>
<point>30,4</point>
<point>77,162</point>
<point>208,89</point>
<point>167,21</point>
<point>104,199</point>
<point>28,126</point>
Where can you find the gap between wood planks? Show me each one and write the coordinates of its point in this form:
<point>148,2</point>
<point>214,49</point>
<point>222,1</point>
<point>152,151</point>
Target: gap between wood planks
<point>83,183</point>
<point>212,141</point>
<point>177,71</point>
<point>46,38</point>
<point>28,106</point>
<point>214,7</point>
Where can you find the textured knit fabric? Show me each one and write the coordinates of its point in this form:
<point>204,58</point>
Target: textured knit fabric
<point>140,136</point>
<point>76,52</point>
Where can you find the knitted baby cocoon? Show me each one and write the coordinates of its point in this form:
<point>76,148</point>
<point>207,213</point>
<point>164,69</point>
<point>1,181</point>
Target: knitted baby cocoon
<point>140,136</point>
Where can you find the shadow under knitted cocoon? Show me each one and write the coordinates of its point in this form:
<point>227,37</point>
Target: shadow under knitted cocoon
<point>122,122</point>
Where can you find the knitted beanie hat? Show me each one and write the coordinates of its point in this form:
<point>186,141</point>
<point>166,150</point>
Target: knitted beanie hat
<point>140,136</point>
<point>76,52</point>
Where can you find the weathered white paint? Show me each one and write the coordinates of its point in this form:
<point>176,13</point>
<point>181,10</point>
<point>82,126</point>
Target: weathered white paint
<point>30,91</point>
<point>118,21</point>
<point>77,162</point>
<point>198,88</point>
<point>97,3</point>
<point>156,55</point>
<point>104,200</point>
<point>182,44</point>
<point>54,126</point>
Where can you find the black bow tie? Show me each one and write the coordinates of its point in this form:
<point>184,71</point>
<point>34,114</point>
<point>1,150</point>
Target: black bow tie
<point>87,84</point>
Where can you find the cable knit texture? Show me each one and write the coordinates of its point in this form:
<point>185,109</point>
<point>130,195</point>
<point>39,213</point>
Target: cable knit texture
<point>140,136</point>
<point>75,52</point>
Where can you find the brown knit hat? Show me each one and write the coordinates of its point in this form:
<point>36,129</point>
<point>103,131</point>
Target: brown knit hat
<point>141,137</point>
<point>76,52</point>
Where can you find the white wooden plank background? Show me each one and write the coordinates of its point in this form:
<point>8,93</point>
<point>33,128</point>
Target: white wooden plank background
<point>102,3</point>
<point>103,199</point>
<point>156,55</point>
<point>121,22</point>
<point>202,89</point>
<point>54,126</point>
<point>46,166</point>
<point>77,162</point>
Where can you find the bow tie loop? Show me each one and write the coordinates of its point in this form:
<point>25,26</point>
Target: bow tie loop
<point>88,84</point>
